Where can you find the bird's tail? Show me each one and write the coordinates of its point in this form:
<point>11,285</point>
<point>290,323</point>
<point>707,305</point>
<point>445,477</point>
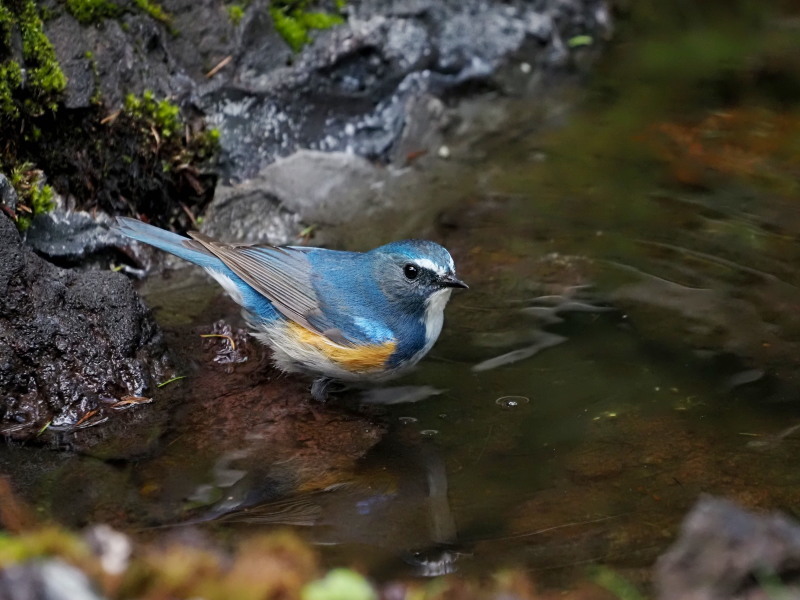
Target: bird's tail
<point>173,243</point>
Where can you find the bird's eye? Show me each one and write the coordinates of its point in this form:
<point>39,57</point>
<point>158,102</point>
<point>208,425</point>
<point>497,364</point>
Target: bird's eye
<point>411,271</point>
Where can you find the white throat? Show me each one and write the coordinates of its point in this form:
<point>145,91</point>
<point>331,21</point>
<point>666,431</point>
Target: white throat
<point>434,315</point>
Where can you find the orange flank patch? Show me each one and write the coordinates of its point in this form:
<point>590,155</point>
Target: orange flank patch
<point>357,359</point>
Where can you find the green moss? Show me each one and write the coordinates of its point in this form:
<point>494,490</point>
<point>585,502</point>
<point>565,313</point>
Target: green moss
<point>10,71</point>
<point>6,25</point>
<point>92,11</point>
<point>580,40</point>
<point>44,73</point>
<point>163,115</point>
<point>206,144</point>
<point>44,83</point>
<point>10,81</point>
<point>235,13</point>
<point>34,196</point>
<point>293,21</point>
<point>50,541</point>
<point>290,29</point>
<point>319,20</point>
<point>213,136</point>
<point>168,157</point>
<point>154,10</point>
<point>25,100</point>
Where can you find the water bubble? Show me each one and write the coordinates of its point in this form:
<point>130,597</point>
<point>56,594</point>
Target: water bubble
<point>407,420</point>
<point>606,414</point>
<point>511,402</point>
<point>429,432</point>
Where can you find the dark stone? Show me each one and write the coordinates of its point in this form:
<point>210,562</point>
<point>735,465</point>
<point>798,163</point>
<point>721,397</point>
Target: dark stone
<point>69,237</point>
<point>8,195</point>
<point>725,552</point>
<point>70,342</point>
<point>128,54</point>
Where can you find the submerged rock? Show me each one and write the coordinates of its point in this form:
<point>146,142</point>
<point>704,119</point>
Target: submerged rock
<point>71,344</point>
<point>725,552</point>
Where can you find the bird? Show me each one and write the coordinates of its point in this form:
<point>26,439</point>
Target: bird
<point>334,315</point>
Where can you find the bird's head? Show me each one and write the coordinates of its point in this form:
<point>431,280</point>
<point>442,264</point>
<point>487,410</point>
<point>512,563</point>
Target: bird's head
<point>415,272</point>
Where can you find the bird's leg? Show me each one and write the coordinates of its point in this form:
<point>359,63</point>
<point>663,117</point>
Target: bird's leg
<point>319,389</point>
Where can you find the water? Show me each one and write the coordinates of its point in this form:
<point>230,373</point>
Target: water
<point>628,343</point>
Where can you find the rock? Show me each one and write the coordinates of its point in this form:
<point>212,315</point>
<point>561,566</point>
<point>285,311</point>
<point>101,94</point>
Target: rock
<point>112,548</point>
<point>70,343</point>
<point>116,56</point>
<point>330,188</point>
<point>70,237</point>
<point>250,212</point>
<point>378,90</point>
<point>8,195</point>
<point>354,89</point>
<point>344,197</point>
<point>725,552</point>
<point>46,580</point>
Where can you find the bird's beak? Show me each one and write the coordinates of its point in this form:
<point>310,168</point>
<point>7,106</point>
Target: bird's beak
<point>452,281</point>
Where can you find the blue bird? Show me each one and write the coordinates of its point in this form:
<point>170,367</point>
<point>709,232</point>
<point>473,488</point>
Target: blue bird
<point>346,316</point>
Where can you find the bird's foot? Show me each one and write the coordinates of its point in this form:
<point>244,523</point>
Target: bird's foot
<point>323,387</point>
<point>319,389</point>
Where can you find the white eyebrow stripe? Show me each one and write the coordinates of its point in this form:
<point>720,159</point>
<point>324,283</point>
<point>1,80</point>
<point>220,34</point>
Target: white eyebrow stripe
<point>426,263</point>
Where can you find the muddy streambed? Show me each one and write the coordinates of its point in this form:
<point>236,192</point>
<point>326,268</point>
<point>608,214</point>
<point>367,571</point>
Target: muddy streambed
<point>628,343</point>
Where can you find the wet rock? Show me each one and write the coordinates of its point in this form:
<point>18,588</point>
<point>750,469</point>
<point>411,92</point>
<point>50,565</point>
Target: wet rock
<point>250,212</point>
<point>117,56</point>
<point>356,89</point>
<point>726,552</point>
<point>8,195</point>
<point>328,188</point>
<point>68,237</point>
<point>319,188</point>
<point>70,343</point>
<point>359,87</point>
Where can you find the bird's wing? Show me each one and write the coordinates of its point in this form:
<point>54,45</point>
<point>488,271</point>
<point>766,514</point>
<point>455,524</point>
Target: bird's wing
<point>282,275</point>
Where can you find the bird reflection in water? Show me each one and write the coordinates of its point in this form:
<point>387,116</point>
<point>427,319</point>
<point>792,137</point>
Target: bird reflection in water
<point>398,510</point>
